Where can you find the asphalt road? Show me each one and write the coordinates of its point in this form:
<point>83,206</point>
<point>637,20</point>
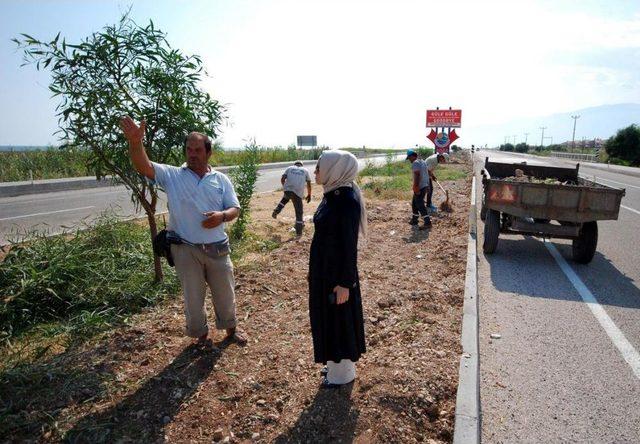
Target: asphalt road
<point>567,367</point>
<point>55,212</point>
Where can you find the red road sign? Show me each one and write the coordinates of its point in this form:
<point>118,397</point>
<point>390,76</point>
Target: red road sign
<point>448,118</point>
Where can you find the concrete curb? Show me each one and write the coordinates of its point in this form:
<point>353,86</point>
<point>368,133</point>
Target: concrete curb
<point>12,189</point>
<point>468,418</point>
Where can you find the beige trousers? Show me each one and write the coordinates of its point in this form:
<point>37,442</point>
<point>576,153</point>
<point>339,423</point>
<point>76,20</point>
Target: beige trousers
<point>195,269</point>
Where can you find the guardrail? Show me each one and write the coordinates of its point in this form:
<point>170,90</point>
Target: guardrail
<point>575,156</point>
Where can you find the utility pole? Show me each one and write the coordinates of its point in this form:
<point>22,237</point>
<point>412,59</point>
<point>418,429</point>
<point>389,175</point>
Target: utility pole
<point>573,139</point>
<point>514,139</point>
<point>542,137</point>
<point>526,136</point>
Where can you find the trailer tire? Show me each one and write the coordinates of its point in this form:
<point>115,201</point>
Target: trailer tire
<point>584,247</point>
<point>491,231</point>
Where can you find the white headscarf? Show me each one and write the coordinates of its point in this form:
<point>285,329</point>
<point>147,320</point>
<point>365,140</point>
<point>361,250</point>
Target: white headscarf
<point>337,169</point>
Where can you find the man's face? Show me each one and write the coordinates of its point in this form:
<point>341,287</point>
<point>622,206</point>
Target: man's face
<point>196,153</point>
<point>412,158</point>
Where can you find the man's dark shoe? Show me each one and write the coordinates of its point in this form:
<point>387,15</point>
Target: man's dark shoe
<point>413,221</point>
<point>274,214</point>
<point>426,225</point>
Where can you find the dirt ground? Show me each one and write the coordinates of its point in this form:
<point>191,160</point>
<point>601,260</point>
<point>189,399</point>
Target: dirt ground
<point>149,383</point>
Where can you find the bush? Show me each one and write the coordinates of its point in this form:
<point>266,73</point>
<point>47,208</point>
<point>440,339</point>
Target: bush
<point>101,272</point>
<point>624,147</point>
<point>506,147</point>
<point>521,148</point>
<point>424,152</point>
<point>244,178</point>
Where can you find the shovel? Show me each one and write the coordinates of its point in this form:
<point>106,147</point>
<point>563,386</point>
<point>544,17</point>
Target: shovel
<point>444,206</point>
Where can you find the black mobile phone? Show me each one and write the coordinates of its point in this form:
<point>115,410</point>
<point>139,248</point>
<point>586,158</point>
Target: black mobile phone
<point>332,297</point>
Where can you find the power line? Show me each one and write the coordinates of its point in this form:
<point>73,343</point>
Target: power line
<point>542,137</point>
<point>573,139</point>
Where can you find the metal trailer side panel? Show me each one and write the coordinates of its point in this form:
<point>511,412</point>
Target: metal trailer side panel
<point>569,203</point>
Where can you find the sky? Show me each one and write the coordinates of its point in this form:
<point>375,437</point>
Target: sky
<point>354,73</point>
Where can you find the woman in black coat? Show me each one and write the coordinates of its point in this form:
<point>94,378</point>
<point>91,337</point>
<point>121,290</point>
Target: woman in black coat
<point>335,305</point>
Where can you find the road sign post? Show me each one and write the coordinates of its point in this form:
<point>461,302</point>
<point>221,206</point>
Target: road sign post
<point>441,120</point>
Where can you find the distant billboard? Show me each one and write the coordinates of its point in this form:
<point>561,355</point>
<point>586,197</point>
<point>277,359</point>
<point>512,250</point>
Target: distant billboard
<point>307,141</point>
<point>446,118</point>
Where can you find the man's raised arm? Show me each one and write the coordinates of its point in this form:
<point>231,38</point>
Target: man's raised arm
<point>139,158</point>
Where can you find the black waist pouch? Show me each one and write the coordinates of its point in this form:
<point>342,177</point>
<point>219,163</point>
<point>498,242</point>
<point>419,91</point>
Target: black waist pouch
<point>162,244</point>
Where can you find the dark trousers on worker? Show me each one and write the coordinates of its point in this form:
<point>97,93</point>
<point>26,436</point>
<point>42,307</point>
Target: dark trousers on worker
<point>297,205</point>
<point>430,192</point>
<point>418,207</point>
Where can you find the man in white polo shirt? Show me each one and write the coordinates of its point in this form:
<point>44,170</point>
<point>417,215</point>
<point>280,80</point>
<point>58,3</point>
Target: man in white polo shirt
<point>293,182</point>
<point>200,201</point>
<point>432,162</point>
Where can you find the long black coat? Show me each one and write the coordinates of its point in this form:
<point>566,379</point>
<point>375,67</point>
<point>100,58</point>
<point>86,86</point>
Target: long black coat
<point>338,330</point>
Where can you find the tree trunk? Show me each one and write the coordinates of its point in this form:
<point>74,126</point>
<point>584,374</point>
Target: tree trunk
<point>153,228</point>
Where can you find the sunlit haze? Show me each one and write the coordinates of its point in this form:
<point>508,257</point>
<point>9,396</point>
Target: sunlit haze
<point>355,73</point>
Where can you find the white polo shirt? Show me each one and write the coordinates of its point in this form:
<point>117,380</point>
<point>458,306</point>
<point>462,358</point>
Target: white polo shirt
<point>297,177</point>
<point>190,196</point>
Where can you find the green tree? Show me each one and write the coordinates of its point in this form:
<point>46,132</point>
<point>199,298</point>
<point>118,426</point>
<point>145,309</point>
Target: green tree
<point>625,145</point>
<point>521,148</point>
<point>125,69</point>
<point>506,147</point>
<point>244,178</point>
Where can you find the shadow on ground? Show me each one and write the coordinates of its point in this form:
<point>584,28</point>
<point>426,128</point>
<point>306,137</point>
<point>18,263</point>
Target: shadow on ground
<point>330,417</point>
<point>142,416</point>
<point>524,266</point>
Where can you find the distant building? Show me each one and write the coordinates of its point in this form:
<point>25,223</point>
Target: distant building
<point>596,143</point>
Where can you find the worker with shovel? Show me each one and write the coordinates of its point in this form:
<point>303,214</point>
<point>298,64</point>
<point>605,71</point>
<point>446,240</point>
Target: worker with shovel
<point>293,182</point>
<point>432,162</point>
<point>420,188</point>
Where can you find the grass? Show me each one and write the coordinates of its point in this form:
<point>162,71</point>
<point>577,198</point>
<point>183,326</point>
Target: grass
<point>76,282</point>
<point>52,163</point>
<point>393,180</point>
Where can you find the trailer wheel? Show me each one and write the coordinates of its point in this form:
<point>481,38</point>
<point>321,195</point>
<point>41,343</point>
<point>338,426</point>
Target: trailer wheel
<point>584,247</point>
<point>491,231</point>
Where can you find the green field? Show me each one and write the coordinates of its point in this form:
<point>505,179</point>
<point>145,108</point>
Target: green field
<point>55,163</point>
<point>393,180</point>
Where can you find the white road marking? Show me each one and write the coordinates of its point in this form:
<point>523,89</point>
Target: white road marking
<point>630,209</point>
<point>625,348</point>
<point>48,212</point>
